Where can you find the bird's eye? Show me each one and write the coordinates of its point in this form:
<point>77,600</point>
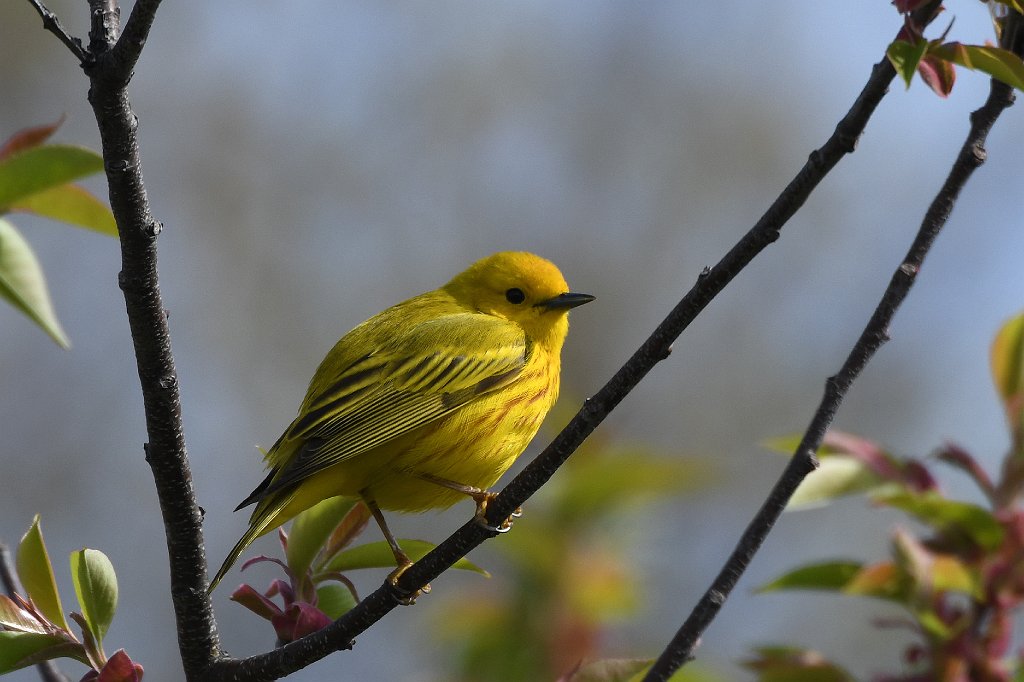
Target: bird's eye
<point>515,296</point>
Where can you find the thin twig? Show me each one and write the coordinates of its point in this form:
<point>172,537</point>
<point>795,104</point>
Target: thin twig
<point>971,157</point>
<point>48,670</point>
<point>52,24</point>
<point>340,634</point>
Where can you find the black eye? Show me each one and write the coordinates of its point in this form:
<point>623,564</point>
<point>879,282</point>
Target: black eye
<point>515,296</point>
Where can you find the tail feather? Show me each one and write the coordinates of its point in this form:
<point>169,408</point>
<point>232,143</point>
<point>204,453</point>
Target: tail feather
<point>256,494</point>
<point>264,519</point>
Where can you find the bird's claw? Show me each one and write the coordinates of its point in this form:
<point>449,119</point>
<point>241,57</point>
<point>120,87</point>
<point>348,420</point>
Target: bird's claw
<point>402,596</point>
<point>481,515</point>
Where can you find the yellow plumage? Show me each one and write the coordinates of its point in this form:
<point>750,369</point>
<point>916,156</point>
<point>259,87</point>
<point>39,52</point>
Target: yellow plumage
<point>426,402</point>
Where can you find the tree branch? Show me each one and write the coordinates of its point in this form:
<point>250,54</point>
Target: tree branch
<point>971,156</point>
<point>48,670</point>
<point>138,230</point>
<point>340,634</point>
<point>125,54</point>
<point>53,25</point>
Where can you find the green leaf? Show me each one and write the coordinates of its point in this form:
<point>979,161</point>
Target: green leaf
<point>828,575</point>
<point>1013,4</point>
<point>791,664</point>
<point>22,649</point>
<point>378,555</point>
<point>70,204</point>
<point>334,600</point>
<point>36,573</point>
<point>933,572</point>
<point>836,476</point>
<point>905,57</point>
<point>23,285</point>
<point>611,670</point>
<point>1001,64</point>
<point>1007,363</point>
<point>884,580</point>
<point>310,530</point>
<point>956,520</point>
<point>599,486</point>
<point>96,588</point>
<point>834,443</point>
<point>41,168</point>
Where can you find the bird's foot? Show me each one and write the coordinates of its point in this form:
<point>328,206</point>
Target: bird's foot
<point>482,499</point>
<point>402,596</point>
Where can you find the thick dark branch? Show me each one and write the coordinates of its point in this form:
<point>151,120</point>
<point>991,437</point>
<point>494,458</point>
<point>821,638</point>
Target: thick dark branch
<point>138,230</point>
<point>53,25</point>
<point>971,156</point>
<point>126,52</point>
<point>48,670</point>
<point>340,634</point>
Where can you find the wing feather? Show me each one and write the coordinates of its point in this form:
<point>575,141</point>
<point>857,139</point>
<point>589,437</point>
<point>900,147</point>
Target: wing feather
<point>440,366</point>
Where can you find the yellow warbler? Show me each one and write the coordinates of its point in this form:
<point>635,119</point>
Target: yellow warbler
<point>426,402</point>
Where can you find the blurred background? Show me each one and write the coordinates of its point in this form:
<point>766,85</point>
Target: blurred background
<point>316,162</point>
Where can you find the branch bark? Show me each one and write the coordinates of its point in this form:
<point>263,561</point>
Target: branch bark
<point>109,72</point>
<point>970,157</point>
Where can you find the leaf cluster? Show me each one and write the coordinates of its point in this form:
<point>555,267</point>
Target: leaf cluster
<point>959,582</point>
<point>37,178</point>
<point>33,627</point>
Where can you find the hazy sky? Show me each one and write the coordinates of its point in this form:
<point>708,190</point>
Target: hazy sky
<point>316,162</point>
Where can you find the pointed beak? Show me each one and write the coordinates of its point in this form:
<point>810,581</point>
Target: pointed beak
<point>565,301</point>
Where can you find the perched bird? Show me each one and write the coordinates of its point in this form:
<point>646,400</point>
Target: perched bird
<point>425,403</point>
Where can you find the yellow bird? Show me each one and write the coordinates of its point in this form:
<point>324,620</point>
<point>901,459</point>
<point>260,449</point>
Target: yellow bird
<point>426,402</point>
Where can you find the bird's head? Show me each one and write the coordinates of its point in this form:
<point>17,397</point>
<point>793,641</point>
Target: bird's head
<point>523,288</point>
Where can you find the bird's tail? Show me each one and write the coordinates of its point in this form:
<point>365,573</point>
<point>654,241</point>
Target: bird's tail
<point>265,518</point>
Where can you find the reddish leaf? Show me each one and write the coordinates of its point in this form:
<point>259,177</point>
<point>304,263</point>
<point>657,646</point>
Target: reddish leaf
<point>248,597</point>
<point>938,74</point>
<point>26,138</point>
<point>954,455</point>
<point>299,620</point>
<point>906,6</point>
<point>1001,64</point>
<point>883,580</point>
<point>910,473</point>
<point>120,668</point>
<point>17,619</point>
<point>350,527</point>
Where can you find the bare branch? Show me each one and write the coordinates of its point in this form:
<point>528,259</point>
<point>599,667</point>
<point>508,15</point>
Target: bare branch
<point>657,347</point>
<point>136,30</point>
<point>971,156</point>
<point>53,25</point>
<point>165,450</point>
<point>48,670</point>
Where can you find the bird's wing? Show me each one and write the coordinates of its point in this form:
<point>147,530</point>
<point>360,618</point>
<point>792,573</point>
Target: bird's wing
<point>435,369</point>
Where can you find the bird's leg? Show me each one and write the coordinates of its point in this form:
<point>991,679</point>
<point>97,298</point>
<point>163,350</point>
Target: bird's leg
<point>401,558</point>
<point>481,497</point>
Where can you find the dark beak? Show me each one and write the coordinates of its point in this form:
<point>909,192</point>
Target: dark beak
<point>565,301</point>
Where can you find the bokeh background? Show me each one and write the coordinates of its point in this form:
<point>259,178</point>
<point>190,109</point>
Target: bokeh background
<point>316,162</point>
